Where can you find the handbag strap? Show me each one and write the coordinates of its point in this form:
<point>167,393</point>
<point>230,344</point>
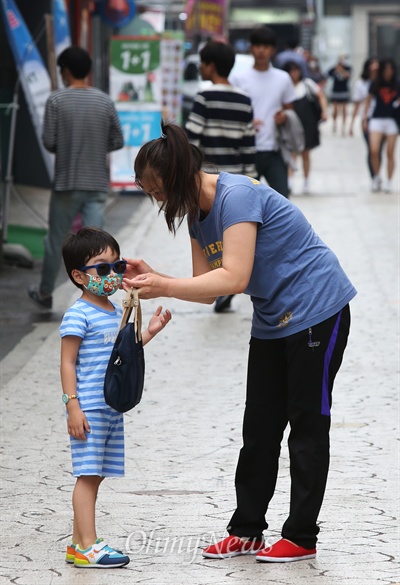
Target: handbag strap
<point>132,302</point>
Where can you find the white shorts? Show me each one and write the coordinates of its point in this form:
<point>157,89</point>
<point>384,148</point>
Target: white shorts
<point>103,452</point>
<point>385,126</point>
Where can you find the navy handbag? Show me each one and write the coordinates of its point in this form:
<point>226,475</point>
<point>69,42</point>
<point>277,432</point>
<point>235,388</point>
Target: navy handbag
<point>124,379</point>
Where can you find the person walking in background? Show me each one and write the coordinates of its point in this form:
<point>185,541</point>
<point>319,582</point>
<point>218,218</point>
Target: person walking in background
<point>246,237</point>
<point>88,331</point>
<point>383,125</point>
<point>311,106</point>
<point>221,122</point>
<point>81,127</point>
<point>292,53</point>
<point>340,94</point>
<point>272,92</point>
<point>361,91</point>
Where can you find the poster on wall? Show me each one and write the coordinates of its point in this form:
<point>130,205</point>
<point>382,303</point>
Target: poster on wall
<point>172,48</point>
<point>135,87</point>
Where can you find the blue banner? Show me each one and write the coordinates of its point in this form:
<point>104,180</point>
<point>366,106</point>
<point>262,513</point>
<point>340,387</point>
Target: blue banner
<point>62,34</point>
<point>32,72</point>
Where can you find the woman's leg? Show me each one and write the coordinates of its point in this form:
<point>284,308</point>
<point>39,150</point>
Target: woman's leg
<point>265,419</point>
<point>314,357</point>
<point>391,143</point>
<point>375,143</point>
<point>84,504</point>
<point>334,114</point>
<point>306,163</point>
<point>344,117</point>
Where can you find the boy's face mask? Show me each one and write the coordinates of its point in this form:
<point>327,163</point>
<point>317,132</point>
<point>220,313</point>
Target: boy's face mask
<point>104,285</point>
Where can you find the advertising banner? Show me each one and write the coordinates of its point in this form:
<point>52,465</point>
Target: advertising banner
<point>62,35</point>
<point>32,72</point>
<point>172,48</point>
<point>135,87</point>
<point>205,17</point>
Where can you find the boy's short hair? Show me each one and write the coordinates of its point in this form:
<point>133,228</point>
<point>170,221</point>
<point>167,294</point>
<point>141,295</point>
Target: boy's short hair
<point>263,35</point>
<point>76,60</point>
<point>221,54</point>
<point>87,243</point>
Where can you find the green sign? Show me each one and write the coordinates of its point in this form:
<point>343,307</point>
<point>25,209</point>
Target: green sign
<point>135,56</point>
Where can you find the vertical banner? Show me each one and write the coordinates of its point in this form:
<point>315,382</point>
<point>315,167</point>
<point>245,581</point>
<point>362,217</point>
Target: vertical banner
<point>172,48</point>
<point>206,17</point>
<point>62,34</point>
<point>32,72</point>
<point>135,87</point>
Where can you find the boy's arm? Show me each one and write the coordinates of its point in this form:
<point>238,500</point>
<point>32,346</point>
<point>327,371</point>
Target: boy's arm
<point>77,422</point>
<point>157,323</point>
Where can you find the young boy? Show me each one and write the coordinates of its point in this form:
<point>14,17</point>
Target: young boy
<point>88,331</point>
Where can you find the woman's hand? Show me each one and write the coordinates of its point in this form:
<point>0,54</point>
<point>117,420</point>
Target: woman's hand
<point>136,266</point>
<point>150,286</point>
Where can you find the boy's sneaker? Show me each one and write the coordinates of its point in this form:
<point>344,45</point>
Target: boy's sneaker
<point>233,546</point>
<point>70,553</point>
<point>223,303</point>
<point>285,551</point>
<point>42,301</point>
<point>99,556</point>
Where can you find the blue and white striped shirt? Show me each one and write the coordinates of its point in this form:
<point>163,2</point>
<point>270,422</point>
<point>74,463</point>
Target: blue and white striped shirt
<point>98,329</point>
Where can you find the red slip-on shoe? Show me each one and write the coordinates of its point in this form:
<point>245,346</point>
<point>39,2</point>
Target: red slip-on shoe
<point>285,551</point>
<point>233,546</point>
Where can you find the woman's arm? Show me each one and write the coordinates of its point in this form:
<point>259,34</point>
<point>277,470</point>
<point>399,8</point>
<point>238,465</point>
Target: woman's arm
<point>239,242</point>
<point>366,110</point>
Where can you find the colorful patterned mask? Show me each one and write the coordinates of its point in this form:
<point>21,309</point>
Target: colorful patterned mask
<point>104,285</point>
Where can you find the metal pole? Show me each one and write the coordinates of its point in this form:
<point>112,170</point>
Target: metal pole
<point>9,177</point>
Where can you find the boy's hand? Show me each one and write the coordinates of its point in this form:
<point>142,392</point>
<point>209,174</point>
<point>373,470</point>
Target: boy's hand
<point>159,321</point>
<point>77,423</point>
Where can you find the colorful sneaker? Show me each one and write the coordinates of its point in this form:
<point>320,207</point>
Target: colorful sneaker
<point>99,556</point>
<point>285,551</point>
<point>70,554</point>
<point>233,546</point>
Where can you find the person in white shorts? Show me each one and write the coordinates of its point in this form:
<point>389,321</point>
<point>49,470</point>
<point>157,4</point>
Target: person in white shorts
<point>88,331</point>
<point>384,122</point>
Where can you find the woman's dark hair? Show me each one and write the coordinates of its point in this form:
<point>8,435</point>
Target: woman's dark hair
<point>221,54</point>
<point>291,66</point>
<point>263,35</point>
<point>87,243</point>
<point>172,164</point>
<point>365,73</point>
<point>76,60</point>
<point>380,81</point>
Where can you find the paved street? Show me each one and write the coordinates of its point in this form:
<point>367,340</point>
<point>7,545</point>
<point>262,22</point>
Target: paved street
<point>183,440</point>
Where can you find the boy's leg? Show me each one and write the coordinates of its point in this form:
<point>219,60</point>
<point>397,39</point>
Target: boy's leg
<point>265,419</point>
<point>312,370</point>
<point>84,504</point>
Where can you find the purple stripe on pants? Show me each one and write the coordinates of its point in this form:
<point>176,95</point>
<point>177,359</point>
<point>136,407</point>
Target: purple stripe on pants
<point>325,407</point>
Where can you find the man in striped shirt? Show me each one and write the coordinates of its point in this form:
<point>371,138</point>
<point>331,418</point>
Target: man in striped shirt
<point>221,122</point>
<point>80,127</point>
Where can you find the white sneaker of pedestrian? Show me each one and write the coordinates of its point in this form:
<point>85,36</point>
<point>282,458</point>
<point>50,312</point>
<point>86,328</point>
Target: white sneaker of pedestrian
<point>306,187</point>
<point>376,184</point>
<point>387,187</point>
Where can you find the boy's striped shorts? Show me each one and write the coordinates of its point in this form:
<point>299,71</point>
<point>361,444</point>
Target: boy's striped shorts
<point>103,452</point>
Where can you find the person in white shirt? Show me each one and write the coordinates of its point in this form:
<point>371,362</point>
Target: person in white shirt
<point>272,92</point>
